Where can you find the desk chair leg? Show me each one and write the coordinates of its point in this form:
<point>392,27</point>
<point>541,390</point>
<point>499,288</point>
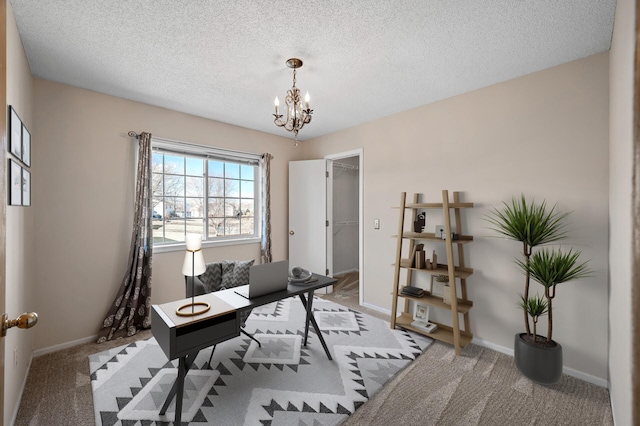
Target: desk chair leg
<point>251,337</point>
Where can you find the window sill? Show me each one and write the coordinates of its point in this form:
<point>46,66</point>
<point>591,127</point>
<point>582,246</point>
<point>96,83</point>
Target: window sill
<point>165,248</point>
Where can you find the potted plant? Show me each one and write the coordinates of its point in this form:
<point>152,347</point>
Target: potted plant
<point>537,357</point>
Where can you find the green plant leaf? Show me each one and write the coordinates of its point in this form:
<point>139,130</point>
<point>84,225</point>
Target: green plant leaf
<point>530,223</point>
<point>441,278</point>
<point>552,267</point>
<point>536,306</point>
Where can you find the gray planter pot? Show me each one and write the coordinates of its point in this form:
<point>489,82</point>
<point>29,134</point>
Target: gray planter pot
<point>540,364</point>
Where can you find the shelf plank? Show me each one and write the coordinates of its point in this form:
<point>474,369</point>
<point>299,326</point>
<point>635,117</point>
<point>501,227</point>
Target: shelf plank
<point>435,206</point>
<point>443,333</point>
<point>463,305</point>
<point>430,236</point>
<point>438,205</point>
<point>462,273</point>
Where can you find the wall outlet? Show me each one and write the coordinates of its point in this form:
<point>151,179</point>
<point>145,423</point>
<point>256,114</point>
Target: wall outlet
<point>439,231</point>
<point>376,223</point>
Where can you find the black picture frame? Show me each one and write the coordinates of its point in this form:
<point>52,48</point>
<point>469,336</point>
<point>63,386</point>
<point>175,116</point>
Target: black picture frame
<point>15,183</point>
<point>15,133</point>
<point>26,146</point>
<point>26,187</point>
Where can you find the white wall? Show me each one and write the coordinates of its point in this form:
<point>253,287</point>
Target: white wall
<point>85,202</point>
<point>20,235</point>
<point>545,135</point>
<point>620,211</point>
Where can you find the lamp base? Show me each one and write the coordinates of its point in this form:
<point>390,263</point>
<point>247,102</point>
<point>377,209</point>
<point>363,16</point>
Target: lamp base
<point>182,313</point>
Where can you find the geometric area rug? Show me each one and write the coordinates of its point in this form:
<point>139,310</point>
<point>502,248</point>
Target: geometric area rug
<point>281,383</point>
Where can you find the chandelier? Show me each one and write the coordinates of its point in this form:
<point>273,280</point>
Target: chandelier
<point>297,116</point>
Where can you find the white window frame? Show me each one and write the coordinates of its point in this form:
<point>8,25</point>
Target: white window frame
<point>207,153</point>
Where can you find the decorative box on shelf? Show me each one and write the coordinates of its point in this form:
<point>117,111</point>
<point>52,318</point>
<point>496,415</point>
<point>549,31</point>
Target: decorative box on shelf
<point>427,326</point>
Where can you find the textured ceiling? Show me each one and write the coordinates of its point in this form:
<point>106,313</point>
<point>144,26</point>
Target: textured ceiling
<point>363,59</point>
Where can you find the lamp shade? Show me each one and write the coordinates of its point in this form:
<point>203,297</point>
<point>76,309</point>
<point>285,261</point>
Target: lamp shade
<point>193,258</point>
<point>193,242</point>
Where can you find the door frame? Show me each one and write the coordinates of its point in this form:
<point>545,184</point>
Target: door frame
<point>635,205</point>
<point>3,185</point>
<point>359,152</point>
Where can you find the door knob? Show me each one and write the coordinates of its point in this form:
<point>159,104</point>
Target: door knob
<point>291,232</point>
<point>26,320</point>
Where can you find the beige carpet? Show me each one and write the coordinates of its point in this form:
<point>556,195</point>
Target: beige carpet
<point>480,387</point>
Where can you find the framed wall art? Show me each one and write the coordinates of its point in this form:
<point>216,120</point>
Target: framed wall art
<point>26,187</point>
<point>15,133</point>
<point>421,313</point>
<point>437,288</point>
<point>15,184</point>
<point>26,146</point>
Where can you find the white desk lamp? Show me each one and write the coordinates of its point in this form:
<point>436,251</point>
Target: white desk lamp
<point>193,265</point>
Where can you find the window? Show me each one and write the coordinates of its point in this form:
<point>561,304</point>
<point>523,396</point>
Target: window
<point>202,190</point>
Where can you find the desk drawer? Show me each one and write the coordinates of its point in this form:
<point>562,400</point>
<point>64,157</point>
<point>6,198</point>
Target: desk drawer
<point>206,333</point>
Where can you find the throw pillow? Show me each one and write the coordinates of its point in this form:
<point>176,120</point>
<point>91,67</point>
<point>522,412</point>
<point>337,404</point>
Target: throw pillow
<point>227,273</point>
<point>235,272</point>
<point>212,277</point>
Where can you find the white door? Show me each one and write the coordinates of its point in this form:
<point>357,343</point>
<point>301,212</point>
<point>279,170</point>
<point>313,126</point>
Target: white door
<point>308,215</point>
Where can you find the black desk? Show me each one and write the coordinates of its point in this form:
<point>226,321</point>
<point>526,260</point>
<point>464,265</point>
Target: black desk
<point>183,337</point>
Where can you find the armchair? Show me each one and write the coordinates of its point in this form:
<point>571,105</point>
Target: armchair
<point>220,276</point>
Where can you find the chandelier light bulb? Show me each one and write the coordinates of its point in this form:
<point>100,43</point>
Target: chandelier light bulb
<point>277,104</point>
<point>306,100</point>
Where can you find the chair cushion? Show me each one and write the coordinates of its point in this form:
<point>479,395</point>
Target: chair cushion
<point>235,272</point>
<point>197,289</point>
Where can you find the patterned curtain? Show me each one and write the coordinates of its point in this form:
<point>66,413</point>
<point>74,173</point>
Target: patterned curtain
<point>131,311</point>
<point>265,243</point>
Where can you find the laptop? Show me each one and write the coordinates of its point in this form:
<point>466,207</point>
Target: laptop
<point>265,279</point>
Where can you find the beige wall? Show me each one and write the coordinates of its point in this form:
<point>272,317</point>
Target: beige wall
<point>20,236</point>
<point>84,197</point>
<point>620,211</point>
<point>544,135</point>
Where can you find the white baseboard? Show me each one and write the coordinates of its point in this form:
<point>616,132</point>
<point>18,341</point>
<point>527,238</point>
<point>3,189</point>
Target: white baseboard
<point>508,351</point>
<point>490,345</point>
<point>376,308</point>
<point>480,342</point>
<point>24,385</point>
<point>54,348</point>
<point>566,370</point>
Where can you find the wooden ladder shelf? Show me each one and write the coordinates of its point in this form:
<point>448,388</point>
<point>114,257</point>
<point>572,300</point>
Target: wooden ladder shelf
<point>458,273</point>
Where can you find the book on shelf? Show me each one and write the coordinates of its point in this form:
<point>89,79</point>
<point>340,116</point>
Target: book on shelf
<point>412,291</point>
<point>419,261</point>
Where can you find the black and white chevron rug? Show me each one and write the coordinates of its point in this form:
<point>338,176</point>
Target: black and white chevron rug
<point>281,383</point>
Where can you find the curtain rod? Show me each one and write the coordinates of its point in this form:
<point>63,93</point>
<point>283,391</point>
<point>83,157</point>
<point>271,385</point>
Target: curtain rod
<point>133,134</point>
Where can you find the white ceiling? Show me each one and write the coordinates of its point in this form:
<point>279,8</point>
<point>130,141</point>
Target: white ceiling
<point>363,59</point>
